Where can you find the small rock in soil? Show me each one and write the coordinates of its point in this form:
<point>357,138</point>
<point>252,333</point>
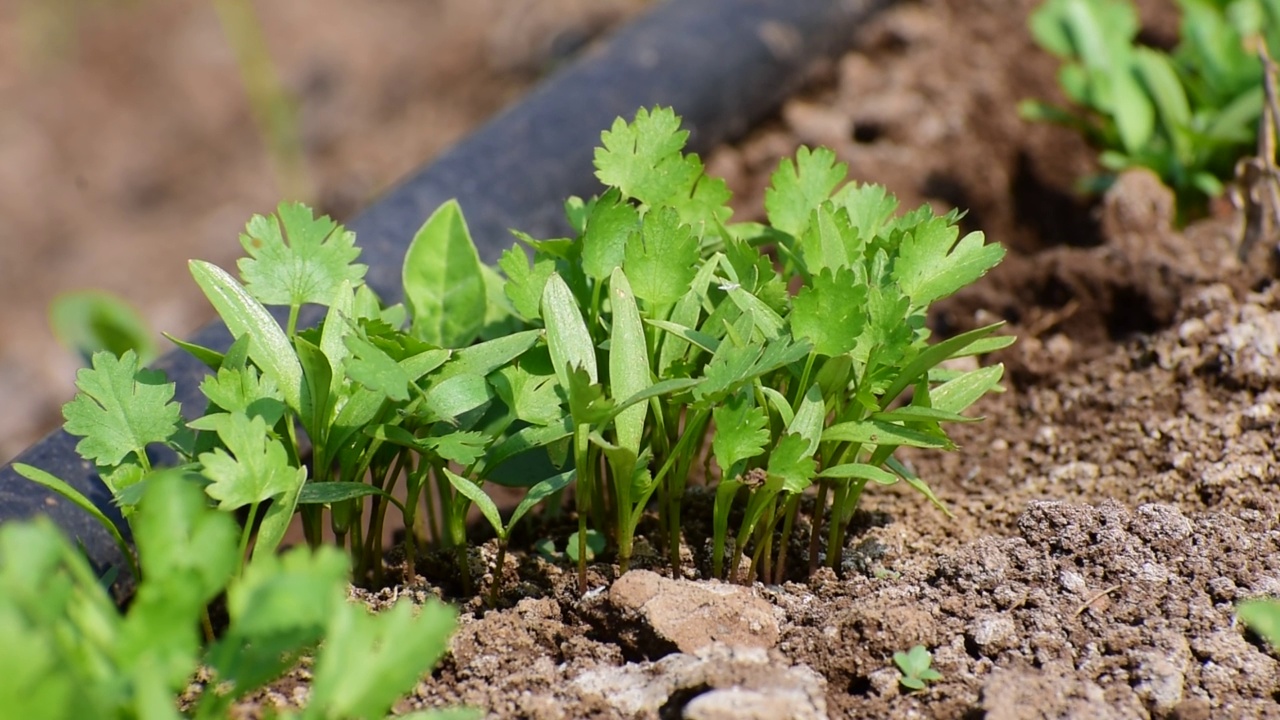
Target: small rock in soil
<point>718,682</point>
<point>690,615</point>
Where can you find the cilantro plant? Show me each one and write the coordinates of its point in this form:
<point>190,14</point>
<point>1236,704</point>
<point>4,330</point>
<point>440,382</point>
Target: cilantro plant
<point>1188,115</point>
<point>915,666</point>
<point>68,652</point>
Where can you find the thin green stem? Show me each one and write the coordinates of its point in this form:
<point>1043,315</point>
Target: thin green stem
<point>791,509</point>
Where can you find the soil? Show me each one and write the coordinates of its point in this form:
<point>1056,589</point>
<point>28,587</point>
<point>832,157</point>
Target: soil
<point>1112,508</point>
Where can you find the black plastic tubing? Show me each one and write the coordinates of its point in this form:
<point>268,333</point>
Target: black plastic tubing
<point>722,64</point>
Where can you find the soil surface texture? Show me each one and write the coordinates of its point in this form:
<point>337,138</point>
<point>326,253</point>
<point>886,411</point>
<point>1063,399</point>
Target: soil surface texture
<point>1115,504</point>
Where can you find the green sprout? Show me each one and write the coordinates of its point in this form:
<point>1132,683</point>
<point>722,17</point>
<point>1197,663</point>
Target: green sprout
<point>915,668</point>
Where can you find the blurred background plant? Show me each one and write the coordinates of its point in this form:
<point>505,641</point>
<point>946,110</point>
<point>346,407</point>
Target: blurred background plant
<point>1189,114</point>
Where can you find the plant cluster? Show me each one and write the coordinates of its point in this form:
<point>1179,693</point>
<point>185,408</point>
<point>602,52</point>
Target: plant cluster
<point>1189,114</point>
<point>600,362</point>
<point>68,652</point>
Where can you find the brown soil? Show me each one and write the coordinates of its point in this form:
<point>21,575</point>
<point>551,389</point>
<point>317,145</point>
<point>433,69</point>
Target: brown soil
<point>127,145</point>
<point>1109,513</point>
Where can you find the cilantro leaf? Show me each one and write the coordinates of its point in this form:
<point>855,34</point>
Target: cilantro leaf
<point>120,409</point>
<point>443,280</point>
<point>611,222</point>
<point>660,258</point>
<point>242,390</point>
<point>296,258</point>
<point>870,208</point>
<point>792,462</point>
<point>741,431</point>
<point>932,265</point>
<point>830,313</point>
<point>729,367</point>
<point>368,661</point>
<point>256,468</point>
<point>524,284</point>
<point>373,368</point>
<point>643,159</point>
<point>462,447</point>
<point>531,398</point>
<point>797,189</point>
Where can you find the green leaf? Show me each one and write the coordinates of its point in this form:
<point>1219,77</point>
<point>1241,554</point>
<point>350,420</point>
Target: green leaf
<point>643,159</point>
<point>830,312</point>
<point>461,447</point>
<point>89,321</point>
<point>477,495</point>
<point>243,390</point>
<point>920,414</point>
<point>628,361</point>
<point>524,284</point>
<point>120,409</point>
<point>859,471</point>
<point>932,265</point>
<point>296,258</point>
<point>956,395</point>
<point>1262,615</point>
<point>64,489</point>
<point>450,399</point>
<point>604,241</point>
<point>792,462</point>
<point>809,418</point>
<point>870,208</point>
<point>797,189</point>
<point>567,336</point>
<point>538,493</point>
<point>375,369</point>
<point>531,398</point>
<point>269,347</point>
<point>183,543</point>
<point>368,661</point>
<point>660,259</point>
<point>255,470</point>
<point>1160,78</point>
<point>875,432</point>
<point>524,440</point>
<point>741,432</point>
<point>728,369</point>
<point>443,281</point>
<point>595,546</point>
<point>275,522</point>
<point>339,322</point>
<point>934,354</point>
<point>271,626</point>
<point>689,335</point>
<point>317,391</point>
<point>488,356</point>
<point>327,493</point>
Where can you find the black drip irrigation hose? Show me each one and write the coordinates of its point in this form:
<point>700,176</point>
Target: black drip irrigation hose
<point>722,64</point>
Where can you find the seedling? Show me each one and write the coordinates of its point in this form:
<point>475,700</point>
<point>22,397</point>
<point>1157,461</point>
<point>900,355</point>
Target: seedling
<point>1262,615</point>
<point>915,668</point>
<point>1188,115</point>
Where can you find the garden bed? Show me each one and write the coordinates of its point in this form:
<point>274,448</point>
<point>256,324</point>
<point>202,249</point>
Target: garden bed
<point>1109,512</point>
